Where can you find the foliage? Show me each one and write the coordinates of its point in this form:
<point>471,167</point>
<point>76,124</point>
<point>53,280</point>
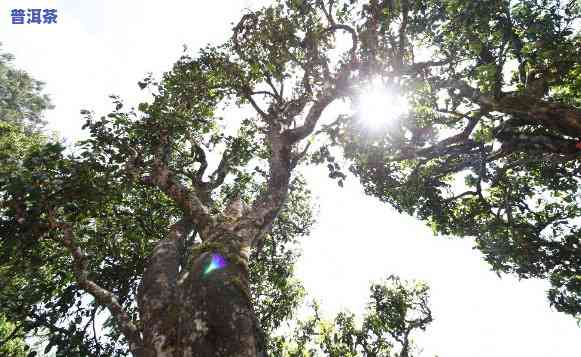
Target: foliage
<point>396,310</point>
<point>489,146</point>
<point>119,231</point>
<point>21,99</point>
<point>495,107</point>
<point>21,109</point>
<point>10,346</point>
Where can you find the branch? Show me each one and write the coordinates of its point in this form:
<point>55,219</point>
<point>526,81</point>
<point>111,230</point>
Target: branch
<point>275,95</point>
<point>247,93</point>
<point>455,168</point>
<point>163,178</point>
<point>354,38</point>
<point>102,296</point>
<point>95,338</point>
<point>200,156</point>
<point>184,198</point>
<point>524,143</point>
<point>440,149</point>
<point>259,218</point>
<point>498,154</point>
<point>296,157</point>
<point>402,38</point>
<point>563,118</point>
<point>218,176</point>
<point>460,137</point>
<point>328,12</point>
<point>466,90</point>
<point>265,92</point>
<point>301,132</point>
<point>420,66</point>
<point>281,162</point>
<point>467,193</point>
<point>238,29</point>
<point>248,21</point>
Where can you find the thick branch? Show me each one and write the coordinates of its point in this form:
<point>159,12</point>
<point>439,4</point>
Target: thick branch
<point>563,118</point>
<point>266,207</point>
<point>164,179</point>
<point>301,132</point>
<point>440,149</point>
<point>458,138</point>
<point>281,163</point>
<point>188,201</point>
<point>524,143</point>
<point>219,175</point>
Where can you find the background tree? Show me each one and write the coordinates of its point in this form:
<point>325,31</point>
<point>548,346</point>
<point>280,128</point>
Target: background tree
<point>396,309</point>
<point>22,106</point>
<point>21,99</point>
<point>280,65</point>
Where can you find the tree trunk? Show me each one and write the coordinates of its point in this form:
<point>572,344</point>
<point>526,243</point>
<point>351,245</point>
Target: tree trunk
<point>203,310</point>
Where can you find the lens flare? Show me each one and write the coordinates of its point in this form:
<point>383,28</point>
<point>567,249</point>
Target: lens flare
<point>217,262</point>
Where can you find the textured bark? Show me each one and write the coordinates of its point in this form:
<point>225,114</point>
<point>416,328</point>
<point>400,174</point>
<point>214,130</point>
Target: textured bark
<point>198,311</point>
<point>157,295</point>
<point>528,110</point>
<point>218,319</point>
<point>563,118</point>
<point>207,312</point>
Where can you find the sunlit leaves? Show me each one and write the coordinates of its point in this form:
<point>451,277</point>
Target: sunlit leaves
<point>462,166</point>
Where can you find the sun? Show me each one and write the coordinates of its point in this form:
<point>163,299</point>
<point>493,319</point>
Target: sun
<point>379,105</point>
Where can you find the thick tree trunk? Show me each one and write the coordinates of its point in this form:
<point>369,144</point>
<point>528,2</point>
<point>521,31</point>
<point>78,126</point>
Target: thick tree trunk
<point>204,310</point>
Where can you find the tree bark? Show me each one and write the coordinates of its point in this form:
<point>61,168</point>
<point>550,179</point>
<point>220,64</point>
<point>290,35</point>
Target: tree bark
<point>563,118</point>
<point>202,310</point>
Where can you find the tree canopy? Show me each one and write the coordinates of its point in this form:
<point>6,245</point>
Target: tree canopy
<point>490,148</point>
<point>21,99</point>
<point>22,106</point>
<point>179,216</point>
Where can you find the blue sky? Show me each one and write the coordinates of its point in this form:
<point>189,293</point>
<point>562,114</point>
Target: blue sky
<point>104,47</point>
